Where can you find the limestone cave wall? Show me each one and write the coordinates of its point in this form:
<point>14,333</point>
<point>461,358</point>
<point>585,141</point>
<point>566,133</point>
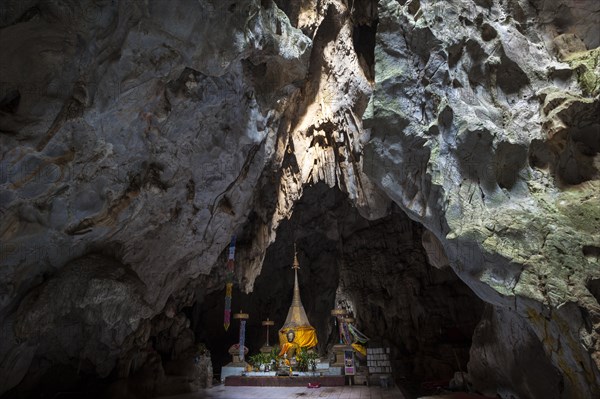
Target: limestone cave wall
<point>475,135</point>
<point>136,137</point>
<point>425,314</point>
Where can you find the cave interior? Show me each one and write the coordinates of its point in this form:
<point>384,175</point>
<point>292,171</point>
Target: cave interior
<point>433,166</point>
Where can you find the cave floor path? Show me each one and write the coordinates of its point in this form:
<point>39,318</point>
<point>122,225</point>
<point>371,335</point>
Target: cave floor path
<point>345,392</point>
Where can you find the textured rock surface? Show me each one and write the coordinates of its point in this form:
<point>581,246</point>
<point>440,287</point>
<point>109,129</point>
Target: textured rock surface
<point>320,136</point>
<point>502,344</point>
<point>134,129</point>
<point>87,310</point>
<point>479,132</point>
<point>136,137</point>
<point>426,315</point>
<point>144,128</point>
<point>150,119</point>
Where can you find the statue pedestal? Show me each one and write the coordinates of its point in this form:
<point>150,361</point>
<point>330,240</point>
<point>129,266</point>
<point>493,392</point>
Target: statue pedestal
<point>232,369</point>
<point>235,359</point>
<point>234,351</point>
<point>338,350</point>
<point>237,365</point>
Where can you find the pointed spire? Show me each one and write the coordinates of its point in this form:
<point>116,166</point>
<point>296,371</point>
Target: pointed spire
<point>296,301</point>
<point>296,263</point>
<point>296,314</point>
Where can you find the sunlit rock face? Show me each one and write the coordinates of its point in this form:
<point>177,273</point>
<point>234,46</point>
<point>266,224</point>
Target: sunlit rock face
<point>320,136</point>
<point>484,127</point>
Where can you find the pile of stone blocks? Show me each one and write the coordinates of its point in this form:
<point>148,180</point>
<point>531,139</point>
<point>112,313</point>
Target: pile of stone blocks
<point>378,361</point>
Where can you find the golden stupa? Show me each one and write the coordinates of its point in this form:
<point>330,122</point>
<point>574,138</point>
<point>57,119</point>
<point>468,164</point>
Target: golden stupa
<point>306,335</point>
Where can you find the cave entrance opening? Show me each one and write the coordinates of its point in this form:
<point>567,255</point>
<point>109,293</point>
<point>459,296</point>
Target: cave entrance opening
<point>377,269</point>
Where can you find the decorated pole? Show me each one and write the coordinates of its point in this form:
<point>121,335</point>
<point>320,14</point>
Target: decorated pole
<point>229,284</point>
<point>242,317</point>
<point>347,322</point>
<point>267,323</point>
<point>355,338</point>
<point>358,336</point>
<point>339,314</point>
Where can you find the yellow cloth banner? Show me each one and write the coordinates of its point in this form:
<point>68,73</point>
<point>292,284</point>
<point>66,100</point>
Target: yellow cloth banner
<point>360,349</point>
<point>306,337</point>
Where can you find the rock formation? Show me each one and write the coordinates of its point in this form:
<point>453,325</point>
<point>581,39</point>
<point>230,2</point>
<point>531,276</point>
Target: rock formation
<point>486,131</point>
<point>137,137</point>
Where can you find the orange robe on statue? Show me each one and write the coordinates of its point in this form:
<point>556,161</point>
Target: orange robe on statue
<point>285,349</point>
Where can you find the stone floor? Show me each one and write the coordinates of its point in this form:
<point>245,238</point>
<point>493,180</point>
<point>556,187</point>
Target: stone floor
<point>345,392</point>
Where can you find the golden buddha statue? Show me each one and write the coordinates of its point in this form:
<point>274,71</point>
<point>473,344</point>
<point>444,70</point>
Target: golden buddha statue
<point>288,350</point>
